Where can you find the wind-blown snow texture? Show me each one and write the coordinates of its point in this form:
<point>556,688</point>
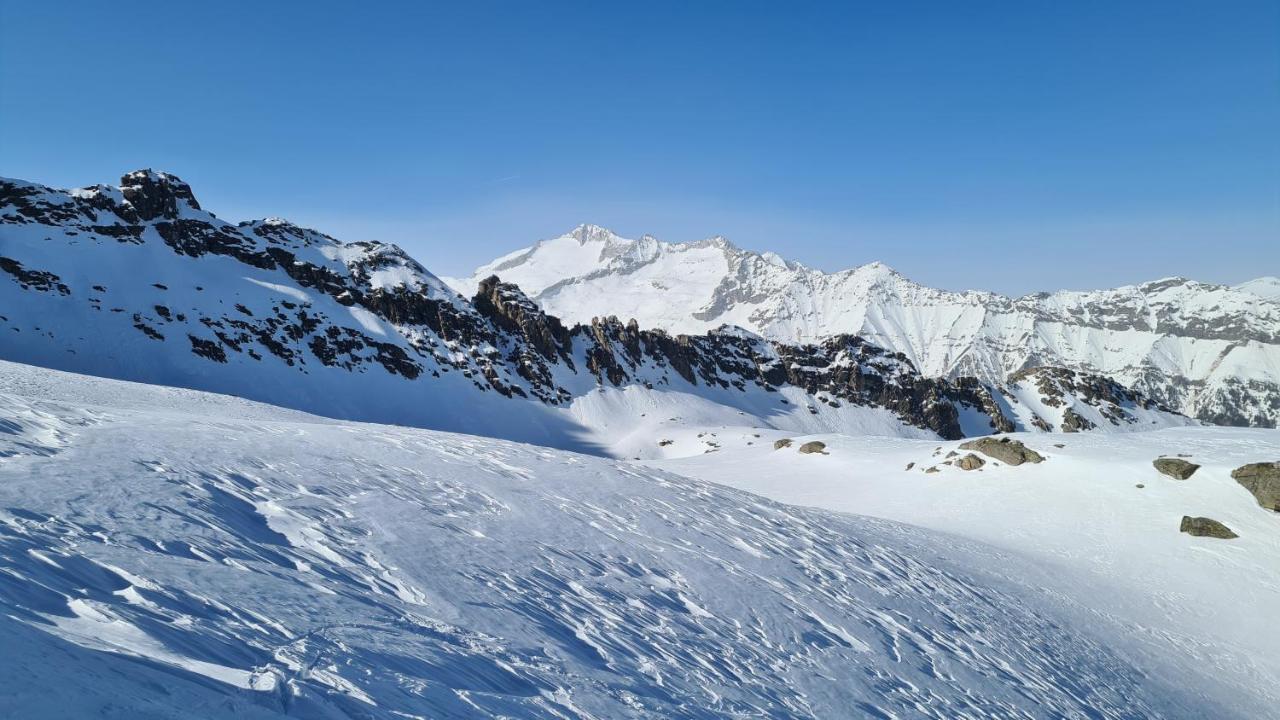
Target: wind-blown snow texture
<point>139,282</point>
<point>1094,510</point>
<point>1209,351</point>
<point>212,558</point>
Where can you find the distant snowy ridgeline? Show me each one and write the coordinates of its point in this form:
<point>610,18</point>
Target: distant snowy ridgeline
<point>1208,351</point>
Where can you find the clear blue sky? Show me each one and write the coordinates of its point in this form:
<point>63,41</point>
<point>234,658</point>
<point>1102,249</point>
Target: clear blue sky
<point>1013,146</point>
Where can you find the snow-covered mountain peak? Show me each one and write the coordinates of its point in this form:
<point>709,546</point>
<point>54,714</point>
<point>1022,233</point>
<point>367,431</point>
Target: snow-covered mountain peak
<point>773,259</point>
<point>1267,287</point>
<point>588,233</point>
<point>1210,351</point>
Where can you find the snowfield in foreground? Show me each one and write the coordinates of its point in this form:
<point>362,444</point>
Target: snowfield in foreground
<point>188,555</point>
<point>1095,511</point>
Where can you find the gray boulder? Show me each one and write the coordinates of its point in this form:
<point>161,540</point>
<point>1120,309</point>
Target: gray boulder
<point>783,443</point>
<point>1175,468</point>
<point>1263,480</point>
<point>1205,527</point>
<point>814,447</point>
<point>1005,449</point>
<point>970,462</point>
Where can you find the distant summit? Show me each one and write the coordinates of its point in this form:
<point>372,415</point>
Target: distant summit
<point>1210,351</point>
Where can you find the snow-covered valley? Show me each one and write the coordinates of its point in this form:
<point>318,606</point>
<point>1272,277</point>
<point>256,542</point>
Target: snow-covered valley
<point>211,557</point>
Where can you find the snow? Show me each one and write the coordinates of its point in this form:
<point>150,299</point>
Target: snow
<point>286,290</point>
<point>368,321</point>
<point>217,559</point>
<point>1264,287</point>
<point>1081,515</point>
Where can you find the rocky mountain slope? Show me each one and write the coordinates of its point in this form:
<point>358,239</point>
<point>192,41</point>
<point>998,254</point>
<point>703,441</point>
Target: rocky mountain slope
<point>139,282</point>
<point>1209,351</point>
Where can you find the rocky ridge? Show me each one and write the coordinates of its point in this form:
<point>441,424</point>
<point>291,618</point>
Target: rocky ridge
<point>140,282</point>
<point>1209,351</point>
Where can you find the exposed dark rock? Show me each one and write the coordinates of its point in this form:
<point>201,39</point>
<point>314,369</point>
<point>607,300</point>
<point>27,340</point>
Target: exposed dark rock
<point>970,462</point>
<point>1263,480</point>
<point>1205,527</point>
<point>814,446</point>
<point>1056,385</point>
<point>1005,449</point>
<point>33,279</point>
<point>1175,468</point>
<point>156,194</point>
<point>207,349</point>
<point>513,311</point>
<point>1075,422</point>
<point>783,443</point>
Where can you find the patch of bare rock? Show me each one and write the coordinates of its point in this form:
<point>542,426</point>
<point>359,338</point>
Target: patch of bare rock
<point>1004,449</point>
<point>1176,468</point>
<point>1263,480</point>
<point>1205,527</point>
<point>814,446</point>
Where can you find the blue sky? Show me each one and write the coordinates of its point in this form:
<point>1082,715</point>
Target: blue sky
<point>1011,146</point>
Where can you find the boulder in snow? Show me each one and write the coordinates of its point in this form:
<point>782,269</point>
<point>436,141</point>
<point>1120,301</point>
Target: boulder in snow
<point>1005,449</point>
<point>1263,480</point>
<point>1176,468</point>
<point>1205,527</point>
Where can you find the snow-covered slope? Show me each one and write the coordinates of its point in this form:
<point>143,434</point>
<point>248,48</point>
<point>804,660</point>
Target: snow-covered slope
<point>1264,287</point>
<point>1095,510</point>
<point>1209,351</point>
<point>139,282</point>
<point>213,558</point>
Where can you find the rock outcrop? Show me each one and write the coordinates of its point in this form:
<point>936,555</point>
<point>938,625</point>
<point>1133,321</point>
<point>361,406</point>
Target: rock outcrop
<point>1004,449</point>
<point>813,447</point>
<point>970,462</point>
<point>1176,468</point>
<point>1205,527</point>
<point>1263,480</point>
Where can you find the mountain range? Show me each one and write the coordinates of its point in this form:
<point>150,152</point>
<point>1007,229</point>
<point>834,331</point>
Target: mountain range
<point>1210,351</point>
<point>139,282</point>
